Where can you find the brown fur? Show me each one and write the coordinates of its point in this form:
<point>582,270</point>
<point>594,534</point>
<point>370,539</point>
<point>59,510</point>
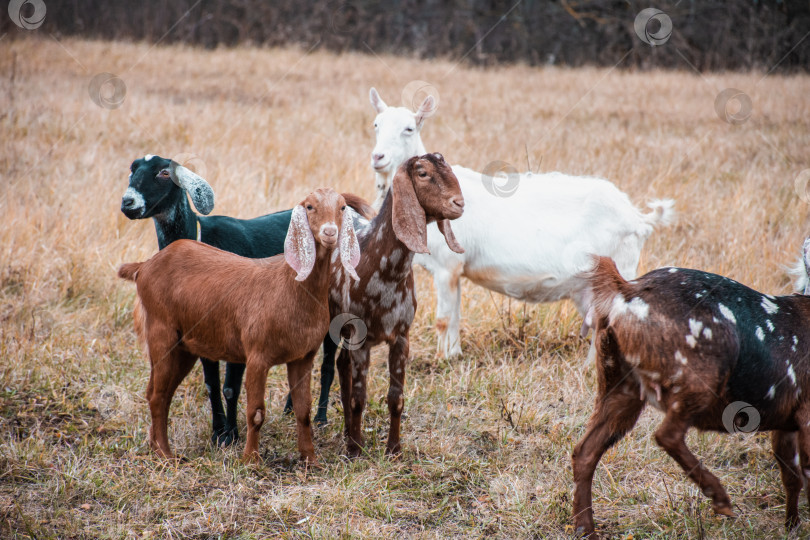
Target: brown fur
<point>696,346</point>
<point>424,189</point>
<point>201,301</point>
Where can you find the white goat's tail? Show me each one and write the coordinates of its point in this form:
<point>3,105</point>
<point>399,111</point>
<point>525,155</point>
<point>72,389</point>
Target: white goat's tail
<point>798,274</point>
<point>663,212</point>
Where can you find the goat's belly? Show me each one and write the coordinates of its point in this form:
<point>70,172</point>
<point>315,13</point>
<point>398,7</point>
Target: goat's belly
<point>541,288</point>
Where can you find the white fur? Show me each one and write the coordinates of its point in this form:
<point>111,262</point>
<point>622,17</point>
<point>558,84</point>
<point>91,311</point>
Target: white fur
<point>532,245</point>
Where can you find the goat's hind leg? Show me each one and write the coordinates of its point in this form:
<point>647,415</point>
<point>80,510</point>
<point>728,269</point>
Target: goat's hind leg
<point>785,449</point>
<point>327,378</point>
<point>670,436</point>
<point>397,361</point>
<point>617,410</point>
<point>170,365</point>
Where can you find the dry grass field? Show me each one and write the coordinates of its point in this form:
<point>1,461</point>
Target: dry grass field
<point>487,437</point>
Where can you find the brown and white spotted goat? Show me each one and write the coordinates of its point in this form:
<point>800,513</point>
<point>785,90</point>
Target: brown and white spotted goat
<point>710,353</point>
<point>423,190</point>
<point>200,301</point>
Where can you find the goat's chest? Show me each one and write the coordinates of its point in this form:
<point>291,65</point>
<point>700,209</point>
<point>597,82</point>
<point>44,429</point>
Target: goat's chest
<point>385,304</point>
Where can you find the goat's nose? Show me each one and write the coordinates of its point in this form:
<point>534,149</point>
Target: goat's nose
<point>458,200</point>
<point>127,202</point>
<point>377,157</point>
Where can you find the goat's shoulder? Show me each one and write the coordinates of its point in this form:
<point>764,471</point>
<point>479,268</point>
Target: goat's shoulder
<point>258,237</point>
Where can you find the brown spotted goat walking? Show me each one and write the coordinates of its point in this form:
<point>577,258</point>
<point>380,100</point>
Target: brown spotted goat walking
<point>423,190</point>
<point>708,352</point>
<point>200,301</point>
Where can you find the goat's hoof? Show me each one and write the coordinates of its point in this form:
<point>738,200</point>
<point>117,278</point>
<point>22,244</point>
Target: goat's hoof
<point>225,437</point>
<point>320,421</point>
<point>353,451</point>
<point>792,522</point>
<point>723,509</point>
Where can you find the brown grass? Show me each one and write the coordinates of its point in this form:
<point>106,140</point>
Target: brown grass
<point>488,437</point>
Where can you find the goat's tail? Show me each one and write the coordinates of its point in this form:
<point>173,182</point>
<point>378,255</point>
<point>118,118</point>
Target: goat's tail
<point>605,282</point>
<point>360,205</point>
<point>129,270</point>
<point>798,273</point>
<point>663,212</point>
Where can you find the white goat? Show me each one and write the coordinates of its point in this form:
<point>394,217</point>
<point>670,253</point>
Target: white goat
<point>530,246</point>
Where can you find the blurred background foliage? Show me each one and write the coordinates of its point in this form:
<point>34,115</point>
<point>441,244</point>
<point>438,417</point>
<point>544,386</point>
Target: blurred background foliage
<point>708,34</point>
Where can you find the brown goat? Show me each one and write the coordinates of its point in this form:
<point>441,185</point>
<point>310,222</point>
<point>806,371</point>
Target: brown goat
<point>200,301</point>
<point>710,353</point>
<point>423,190</point>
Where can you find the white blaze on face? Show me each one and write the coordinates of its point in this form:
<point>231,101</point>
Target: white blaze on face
<point>397,139</point>
<point>136,196</point>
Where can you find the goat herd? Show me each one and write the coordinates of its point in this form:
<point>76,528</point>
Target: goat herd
<point>262,292</point>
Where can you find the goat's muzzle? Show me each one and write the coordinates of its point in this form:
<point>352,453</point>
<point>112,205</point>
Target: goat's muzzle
<point>329,236</point>
<point>455,207</point>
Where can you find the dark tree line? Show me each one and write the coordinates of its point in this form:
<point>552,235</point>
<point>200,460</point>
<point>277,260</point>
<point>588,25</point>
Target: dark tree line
<point>709,34</point>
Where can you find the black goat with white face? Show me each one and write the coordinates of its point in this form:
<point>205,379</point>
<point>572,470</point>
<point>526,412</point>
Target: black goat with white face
<point>157,189</point>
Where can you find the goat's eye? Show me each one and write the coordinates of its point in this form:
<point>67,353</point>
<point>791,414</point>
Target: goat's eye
<point>164,173</point>
<point>309,207</point>
<point>343,208</point>
<point>375,126</point>
<point>408,130</point>
<point>423,174</point>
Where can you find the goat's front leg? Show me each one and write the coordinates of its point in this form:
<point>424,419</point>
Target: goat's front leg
<point>615,414</point>
<point>353,370</point>
<point>448,311</point>
<point>786,451</point>
<point>327,377</point>
<point>397,361</point>
<point>256,369</point>
<point>218,419</point>
<point>670,436</point>
<point>231,390</point>
<point>299,374</point>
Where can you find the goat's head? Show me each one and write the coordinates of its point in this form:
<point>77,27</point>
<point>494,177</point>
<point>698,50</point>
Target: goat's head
<point>156,184</point>
<point>321,217</point>
<point>425,189</point>
<point>397,133</point>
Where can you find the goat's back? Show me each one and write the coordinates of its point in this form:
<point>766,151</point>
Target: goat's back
<point>222,305</point>
<point>727,341</point>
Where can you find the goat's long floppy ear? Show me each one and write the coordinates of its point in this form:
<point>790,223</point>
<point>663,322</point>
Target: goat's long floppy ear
<point>201,193</point>
<point>449,237</point>
<point>348,245</point>
<point>409,217</point>
<point>299,246</point>
<point>376,101</point>
<point>427,108</point>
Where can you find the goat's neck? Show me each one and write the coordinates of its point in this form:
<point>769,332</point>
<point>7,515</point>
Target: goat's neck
<point>316,285</point>
<point>386,244</point>
<point>176,223</point>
